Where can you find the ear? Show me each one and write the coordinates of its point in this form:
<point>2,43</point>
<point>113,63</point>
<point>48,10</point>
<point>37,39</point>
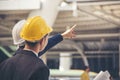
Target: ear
<point>42,44</point>
<point>41,41</point>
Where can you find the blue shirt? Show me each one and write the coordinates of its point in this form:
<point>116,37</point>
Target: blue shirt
<point>52,42</point>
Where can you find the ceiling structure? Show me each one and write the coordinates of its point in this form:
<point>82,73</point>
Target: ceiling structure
<point>97,26</point>
<point>97,29</point>
<point>7,21</point>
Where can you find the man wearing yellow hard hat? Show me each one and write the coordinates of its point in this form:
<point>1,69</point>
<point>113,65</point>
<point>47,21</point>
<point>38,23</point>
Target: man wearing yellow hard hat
<point>27,65</point>
<point>52,41</point>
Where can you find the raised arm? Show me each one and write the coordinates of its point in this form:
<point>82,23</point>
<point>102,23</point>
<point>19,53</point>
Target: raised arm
<point>69,33</point>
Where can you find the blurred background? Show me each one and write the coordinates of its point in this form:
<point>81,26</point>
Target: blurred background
<point>97,33</point>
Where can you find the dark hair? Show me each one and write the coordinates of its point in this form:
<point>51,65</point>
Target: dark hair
<point>86,67</point>
<point>31,44</point>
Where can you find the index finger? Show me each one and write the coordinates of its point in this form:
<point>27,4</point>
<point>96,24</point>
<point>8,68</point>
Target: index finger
<point>73,26</point>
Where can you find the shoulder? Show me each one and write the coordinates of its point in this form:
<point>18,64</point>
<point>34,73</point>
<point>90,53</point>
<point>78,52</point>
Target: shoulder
<point>7,64</point>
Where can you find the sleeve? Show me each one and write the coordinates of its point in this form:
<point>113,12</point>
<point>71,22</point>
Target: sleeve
<point>52,42</point>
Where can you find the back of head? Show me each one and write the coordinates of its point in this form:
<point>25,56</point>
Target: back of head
<point>17,40</point>
<point>35,28</point>
<point>86,68</point>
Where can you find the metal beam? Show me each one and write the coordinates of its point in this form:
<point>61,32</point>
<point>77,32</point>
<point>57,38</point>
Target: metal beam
<point>83,28</point>
<point>95,2</point>
<point>112,16</point>
<point>83,24</point>
<point>99,17</point>
<point>101,52</point>
<point>5,28</point>
<point>86,52</point>
<point>79,18</point>
<point>81,21</point>
<point>5,38</point>
<point>103,35</point>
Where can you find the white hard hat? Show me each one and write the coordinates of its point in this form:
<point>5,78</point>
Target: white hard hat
<point>17,40</point>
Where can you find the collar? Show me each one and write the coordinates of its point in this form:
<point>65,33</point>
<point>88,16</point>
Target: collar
<point>32,51</point>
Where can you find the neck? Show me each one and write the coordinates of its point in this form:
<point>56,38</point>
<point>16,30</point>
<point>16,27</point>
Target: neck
<point>35,48</point>
<point>87,71</point>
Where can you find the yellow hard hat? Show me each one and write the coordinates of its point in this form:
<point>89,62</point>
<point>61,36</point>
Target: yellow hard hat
<point>35,29</point>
